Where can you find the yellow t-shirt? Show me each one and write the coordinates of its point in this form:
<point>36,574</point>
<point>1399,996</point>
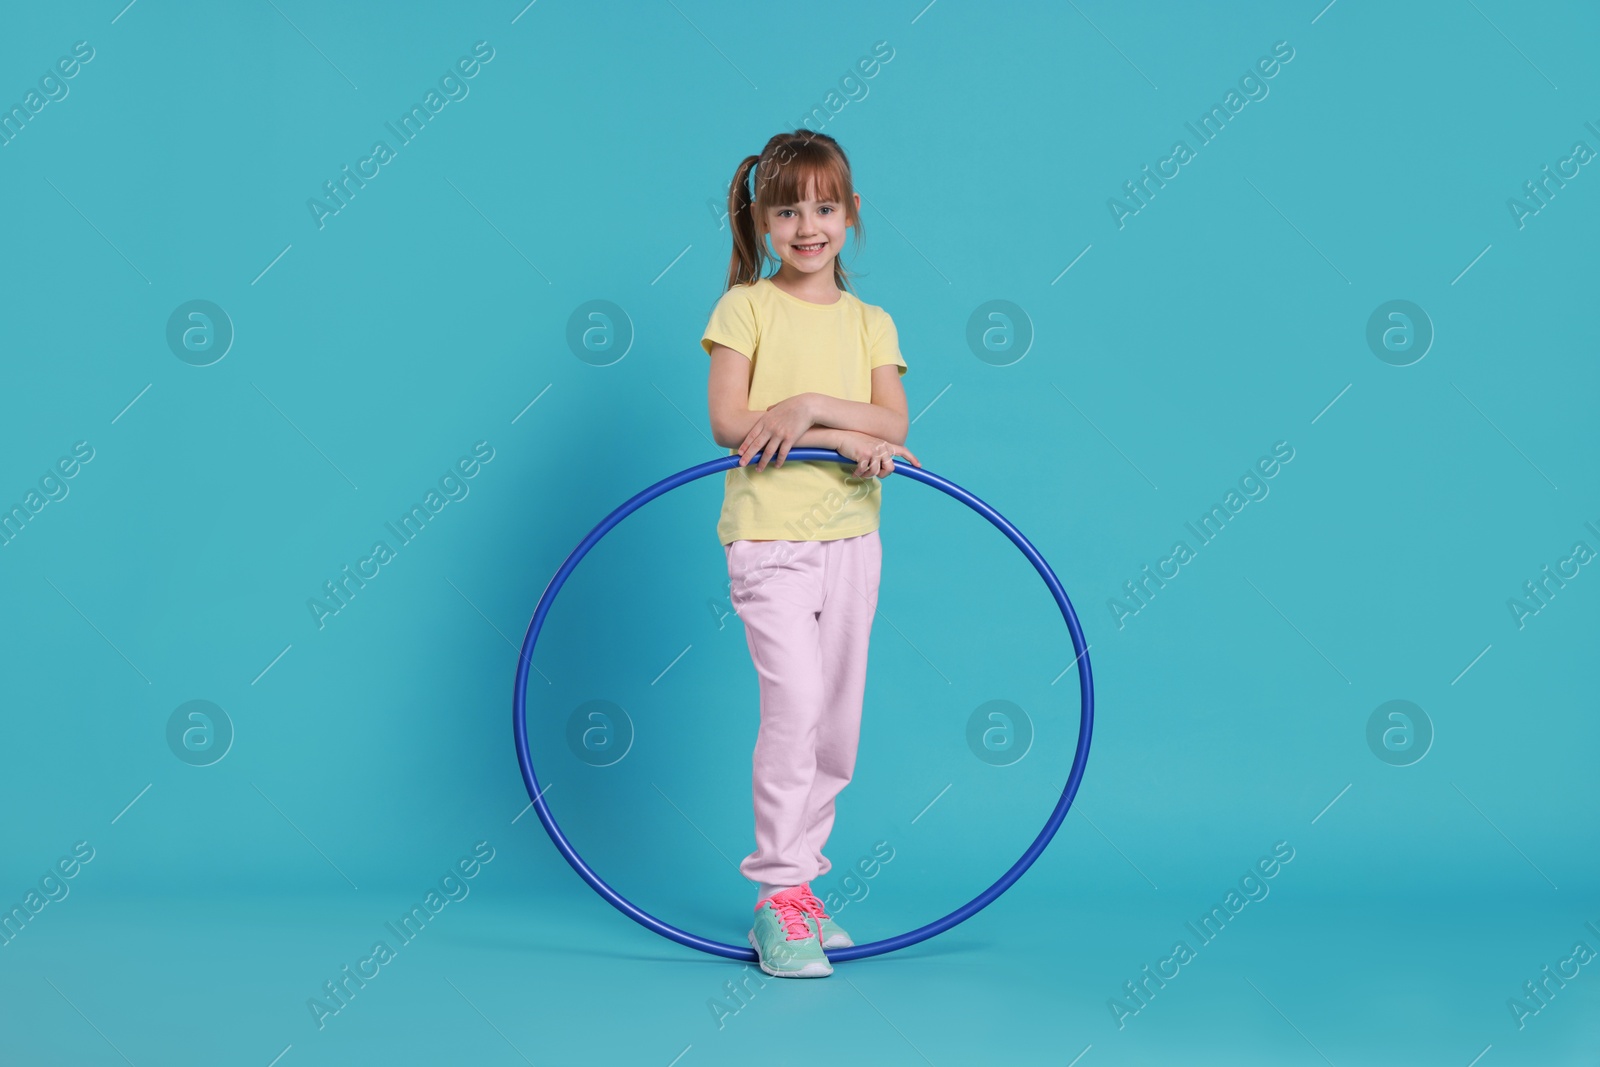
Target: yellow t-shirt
<point>797,346</point>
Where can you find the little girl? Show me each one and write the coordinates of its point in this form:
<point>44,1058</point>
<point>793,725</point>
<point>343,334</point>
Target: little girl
<point>797,360</point>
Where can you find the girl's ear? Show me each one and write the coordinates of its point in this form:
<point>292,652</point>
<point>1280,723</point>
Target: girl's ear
<point>858,205</point>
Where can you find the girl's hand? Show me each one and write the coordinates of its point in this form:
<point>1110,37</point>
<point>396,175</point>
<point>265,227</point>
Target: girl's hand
<point>874,457</point>
<point>776,431</point>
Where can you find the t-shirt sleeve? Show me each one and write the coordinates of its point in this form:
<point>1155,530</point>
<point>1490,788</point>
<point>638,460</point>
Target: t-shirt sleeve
<point>884,343</point>
<point>733,323</point>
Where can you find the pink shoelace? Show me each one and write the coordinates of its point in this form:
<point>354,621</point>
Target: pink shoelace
<point>793,910</point>
<point>809,901</point>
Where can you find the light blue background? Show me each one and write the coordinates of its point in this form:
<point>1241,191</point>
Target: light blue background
<point>587,163</point>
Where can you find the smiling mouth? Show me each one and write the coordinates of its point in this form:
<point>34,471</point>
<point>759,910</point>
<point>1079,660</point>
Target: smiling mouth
<point>810,250</point>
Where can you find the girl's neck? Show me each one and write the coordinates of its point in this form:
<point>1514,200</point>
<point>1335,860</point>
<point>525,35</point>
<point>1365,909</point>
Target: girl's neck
<point>818,288</point>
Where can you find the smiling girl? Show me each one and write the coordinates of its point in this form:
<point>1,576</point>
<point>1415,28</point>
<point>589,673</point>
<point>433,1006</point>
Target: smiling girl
<point>797,360</point>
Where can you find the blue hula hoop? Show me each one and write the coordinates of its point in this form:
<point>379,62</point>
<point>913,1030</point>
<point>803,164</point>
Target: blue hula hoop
<point>903,468</point>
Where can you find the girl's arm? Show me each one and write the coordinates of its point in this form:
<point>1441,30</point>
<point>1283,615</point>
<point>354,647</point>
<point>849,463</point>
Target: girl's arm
<point>875,420</point>
<point>728,399</point>
<point>735,427</point>
<point>885,417</point>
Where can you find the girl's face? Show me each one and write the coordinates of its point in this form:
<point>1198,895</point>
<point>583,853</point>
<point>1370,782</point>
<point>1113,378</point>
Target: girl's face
<point>807,235</point>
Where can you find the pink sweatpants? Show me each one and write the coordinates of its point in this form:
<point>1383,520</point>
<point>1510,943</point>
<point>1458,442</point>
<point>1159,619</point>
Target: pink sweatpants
<point>807,609</point>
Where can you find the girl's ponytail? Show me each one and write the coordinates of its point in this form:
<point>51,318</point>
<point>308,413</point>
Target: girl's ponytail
<point>749,250</point>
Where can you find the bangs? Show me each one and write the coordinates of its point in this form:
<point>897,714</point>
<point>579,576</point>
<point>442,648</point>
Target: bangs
<point>810,167</point>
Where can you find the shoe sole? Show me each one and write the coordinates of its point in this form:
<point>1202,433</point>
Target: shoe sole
<point>814,969</point>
